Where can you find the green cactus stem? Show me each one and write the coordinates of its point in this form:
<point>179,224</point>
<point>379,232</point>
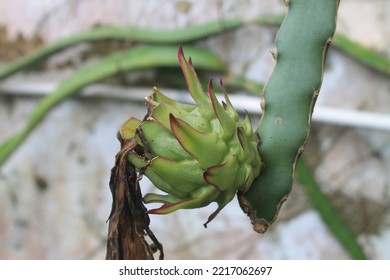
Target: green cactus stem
<point>328,213</point>
<point>196,154</point>
<point>138,35</point>
<point>288,101</point>
<point>183,35</point>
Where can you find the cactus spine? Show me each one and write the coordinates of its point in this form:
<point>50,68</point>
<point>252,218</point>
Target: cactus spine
<point>288,102</point>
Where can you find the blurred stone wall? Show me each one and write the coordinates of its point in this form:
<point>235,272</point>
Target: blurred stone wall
<point>54,196</point>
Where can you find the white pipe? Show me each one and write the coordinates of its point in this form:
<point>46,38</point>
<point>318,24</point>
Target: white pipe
<point>242,103</point>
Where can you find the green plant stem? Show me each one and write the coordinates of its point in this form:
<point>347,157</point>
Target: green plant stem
<point>362,54</point>
<point>240,82</point>
<point>185,35</point>
<point>327,212</point>
<point>136,58</point>
<point>155,36</point>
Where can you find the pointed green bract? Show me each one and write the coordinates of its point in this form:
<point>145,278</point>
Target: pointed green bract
<point>186,173</point>
<point>137,160</point>
<point>161,114</point>
<point>158,97</point>
<point>228,105</point>
<point>127,130</point>
<point>194,85</point>
<point>154,131</point>
<point>199,198</point>
<point>216,175</point>
<point>160,198</point>
<point>193,153</point>
<point>207,149</point>
<point>227,123</point>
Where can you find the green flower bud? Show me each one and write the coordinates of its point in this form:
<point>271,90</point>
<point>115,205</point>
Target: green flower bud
<point>196,154</point>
